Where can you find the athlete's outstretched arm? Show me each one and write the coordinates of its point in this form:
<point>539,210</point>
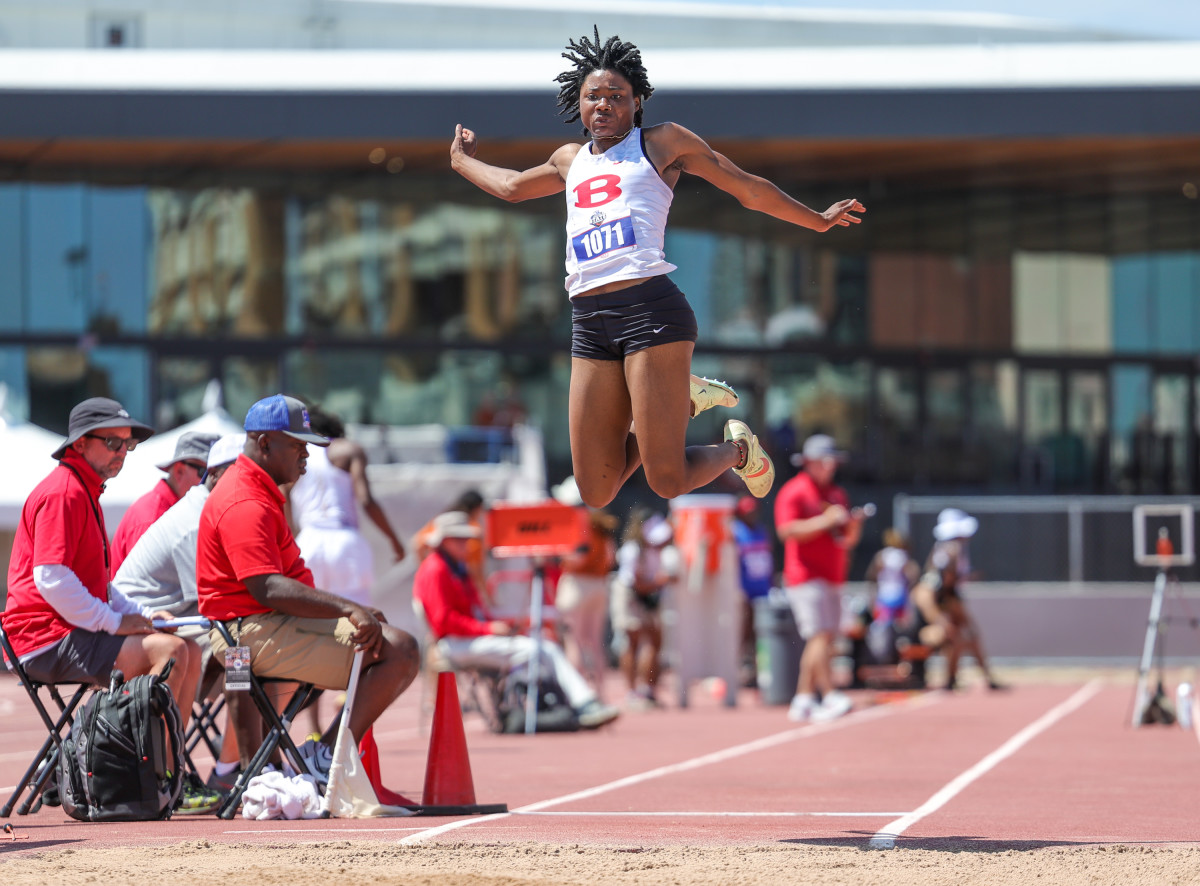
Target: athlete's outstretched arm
<point>688,152</point>
<point>509,184</point>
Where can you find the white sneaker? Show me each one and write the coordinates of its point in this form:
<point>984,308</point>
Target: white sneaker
<point>833,705</point>
<point>707,393</point>
<point>759,473</point>
<point>593,715</point>
<point>801,708</point>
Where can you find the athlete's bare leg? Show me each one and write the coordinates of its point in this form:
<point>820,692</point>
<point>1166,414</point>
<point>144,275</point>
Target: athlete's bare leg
<point>603,451</point>
<point>660,393</point>
<point>649,391</point>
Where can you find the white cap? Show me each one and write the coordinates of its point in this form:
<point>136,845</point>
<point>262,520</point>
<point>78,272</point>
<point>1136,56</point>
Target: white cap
<point>226,449</point>
<point>953,523</point>
<point>452,524</point>
<point>657,531</point>
<point>567,492</point>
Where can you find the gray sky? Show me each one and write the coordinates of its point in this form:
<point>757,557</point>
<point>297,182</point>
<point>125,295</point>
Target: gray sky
<point>1179,19</point>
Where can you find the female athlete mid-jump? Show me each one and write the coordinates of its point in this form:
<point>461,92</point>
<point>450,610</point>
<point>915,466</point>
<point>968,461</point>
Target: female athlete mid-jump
<point>633,331</point>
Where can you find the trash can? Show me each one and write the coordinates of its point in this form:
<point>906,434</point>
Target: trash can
<point>778,646</point>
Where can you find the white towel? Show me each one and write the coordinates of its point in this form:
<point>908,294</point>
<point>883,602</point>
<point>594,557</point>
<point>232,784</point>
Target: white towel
<point>274,795</point>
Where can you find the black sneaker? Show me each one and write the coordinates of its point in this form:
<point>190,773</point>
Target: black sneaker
<point>223,783</point>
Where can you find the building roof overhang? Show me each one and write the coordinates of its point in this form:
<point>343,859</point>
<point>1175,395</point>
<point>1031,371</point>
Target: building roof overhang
<point>888,110</point>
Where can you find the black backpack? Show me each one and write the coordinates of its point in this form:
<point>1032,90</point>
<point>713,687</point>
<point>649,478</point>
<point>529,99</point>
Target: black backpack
<point>553,712</point>
<point>117,763</point>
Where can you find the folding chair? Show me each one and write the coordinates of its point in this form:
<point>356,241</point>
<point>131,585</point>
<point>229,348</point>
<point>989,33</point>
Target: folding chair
<point>47,756</point>
<point>278,724</point>
<point>210,703</point>
<point>479,688</point>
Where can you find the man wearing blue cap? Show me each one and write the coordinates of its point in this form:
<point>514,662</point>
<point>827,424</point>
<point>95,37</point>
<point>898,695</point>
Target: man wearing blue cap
<point>250,576</point>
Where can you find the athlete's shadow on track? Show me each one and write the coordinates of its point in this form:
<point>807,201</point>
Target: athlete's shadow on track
<point>952,843</point>
<point>28,840</point>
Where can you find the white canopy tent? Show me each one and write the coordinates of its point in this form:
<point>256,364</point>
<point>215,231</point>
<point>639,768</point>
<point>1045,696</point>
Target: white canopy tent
<point>140,474</point>
<point>25,451</point>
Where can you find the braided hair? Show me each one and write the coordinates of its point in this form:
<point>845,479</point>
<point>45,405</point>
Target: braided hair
<point>588,57</point>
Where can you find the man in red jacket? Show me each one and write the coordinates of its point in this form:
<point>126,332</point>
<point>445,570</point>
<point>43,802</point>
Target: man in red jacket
<point>469,637</point>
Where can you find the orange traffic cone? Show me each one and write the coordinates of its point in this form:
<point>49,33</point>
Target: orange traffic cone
<point>449,788</point>
<point>369,753</point>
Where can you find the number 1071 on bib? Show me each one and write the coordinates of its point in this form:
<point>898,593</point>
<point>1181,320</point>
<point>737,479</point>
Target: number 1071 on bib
<point>616,234</point>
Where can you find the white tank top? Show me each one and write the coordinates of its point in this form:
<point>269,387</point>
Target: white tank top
<point>323,497</point>
<point>891,582</point>
<point>617,207</point>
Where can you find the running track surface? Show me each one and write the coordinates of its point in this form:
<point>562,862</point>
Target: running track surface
<point>1038,765</point>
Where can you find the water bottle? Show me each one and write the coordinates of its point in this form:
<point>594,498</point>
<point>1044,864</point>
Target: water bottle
<point>1183,705</point>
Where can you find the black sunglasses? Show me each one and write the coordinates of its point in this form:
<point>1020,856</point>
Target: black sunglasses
<point>114,444</point>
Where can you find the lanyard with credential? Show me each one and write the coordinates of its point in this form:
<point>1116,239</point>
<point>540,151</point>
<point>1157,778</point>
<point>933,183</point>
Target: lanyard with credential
<point>96,511</point>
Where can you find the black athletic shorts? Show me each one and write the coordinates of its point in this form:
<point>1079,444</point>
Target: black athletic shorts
<point>612,325</point>
<point>80,657</point>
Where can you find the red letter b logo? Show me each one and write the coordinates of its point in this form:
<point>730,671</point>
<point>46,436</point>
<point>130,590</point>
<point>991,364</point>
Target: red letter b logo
<point>597,191</point>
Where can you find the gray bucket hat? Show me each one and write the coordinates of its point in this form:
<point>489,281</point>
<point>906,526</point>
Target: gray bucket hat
<point>192,446</point>
<point>96,413</point>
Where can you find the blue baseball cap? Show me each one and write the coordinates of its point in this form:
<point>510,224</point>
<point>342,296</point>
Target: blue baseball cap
<point>286,414</point>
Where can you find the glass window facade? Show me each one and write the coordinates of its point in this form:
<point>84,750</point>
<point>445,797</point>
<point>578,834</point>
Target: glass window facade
<point>979,338</point>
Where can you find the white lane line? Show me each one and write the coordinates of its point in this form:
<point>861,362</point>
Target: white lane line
<point>886,838</point>
<point>325,831</point>
<point>328,832</point>
<point>720,814</point>
<point>870,714</point>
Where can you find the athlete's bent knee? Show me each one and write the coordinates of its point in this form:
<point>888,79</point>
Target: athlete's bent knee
<point>596,496</point>
<point>667,484</point>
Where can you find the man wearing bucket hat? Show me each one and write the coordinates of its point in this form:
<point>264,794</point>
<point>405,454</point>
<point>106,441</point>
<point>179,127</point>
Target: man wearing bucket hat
<point>65,621</point>
<point>250,576</point>
<point>184,470</point>
<point>818,529</point>
<point>938,595</point>
<point>469,637</point>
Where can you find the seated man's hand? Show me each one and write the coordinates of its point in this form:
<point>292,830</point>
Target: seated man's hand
<point>368,634</point>
<point>134,624</point>
<point>500,628</point>
<point>164,615</point>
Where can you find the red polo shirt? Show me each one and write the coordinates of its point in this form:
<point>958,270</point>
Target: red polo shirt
<point>243,533</point>
<point>140,517</point>
<point>61,523</point>
<point>451,602</point>
<point>820,557</point>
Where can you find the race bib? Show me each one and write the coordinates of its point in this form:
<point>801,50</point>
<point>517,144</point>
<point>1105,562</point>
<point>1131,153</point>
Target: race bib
<point>603,238</point>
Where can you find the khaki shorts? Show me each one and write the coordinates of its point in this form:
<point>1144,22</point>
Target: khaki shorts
<point>286,647</point>
<point>816,606</point>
